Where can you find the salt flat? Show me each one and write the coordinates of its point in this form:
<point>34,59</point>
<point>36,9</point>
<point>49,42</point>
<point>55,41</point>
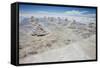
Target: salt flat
<point>72,52</point>
<point>55,39</point>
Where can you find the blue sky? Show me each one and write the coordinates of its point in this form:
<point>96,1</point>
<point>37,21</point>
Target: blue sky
<point>54,9</point>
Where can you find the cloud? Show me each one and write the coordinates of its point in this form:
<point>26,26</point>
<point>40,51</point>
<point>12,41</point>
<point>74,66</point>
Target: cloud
<point>80,13</point>
<point>75,12</point>
<point>72,12</point>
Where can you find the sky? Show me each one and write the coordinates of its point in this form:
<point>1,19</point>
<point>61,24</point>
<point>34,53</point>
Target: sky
<point>29,9</point>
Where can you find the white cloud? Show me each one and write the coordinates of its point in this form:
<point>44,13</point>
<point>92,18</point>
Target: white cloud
<point>75,12</point>
<point>79,13</point>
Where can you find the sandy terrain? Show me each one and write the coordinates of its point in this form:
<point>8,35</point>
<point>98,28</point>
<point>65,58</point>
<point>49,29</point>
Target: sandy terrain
<point>72,52</point>
<point>56,40</point>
